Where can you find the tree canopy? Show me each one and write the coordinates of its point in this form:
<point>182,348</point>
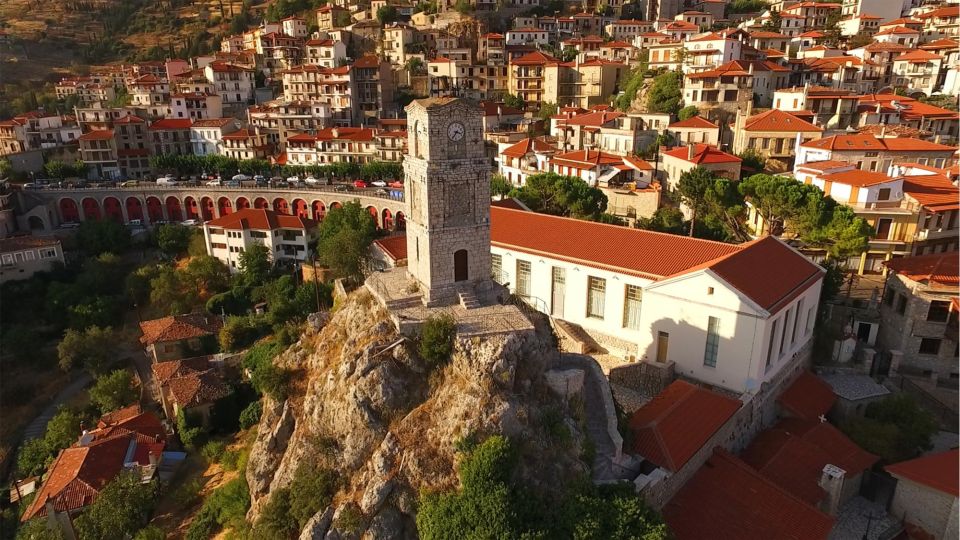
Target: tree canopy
<point>665,94</point>
<point>120,510</point>
<point>559,195</point>
<point>895,428</point>
<point>93,349</point>
<point>113,391</point>
<point>344,239</point>
<point>173,238</point>
<point>688,112</point>
<point>101,236</point>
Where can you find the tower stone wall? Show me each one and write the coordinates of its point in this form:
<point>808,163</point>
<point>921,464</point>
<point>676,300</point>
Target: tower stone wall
<point>447,179</point>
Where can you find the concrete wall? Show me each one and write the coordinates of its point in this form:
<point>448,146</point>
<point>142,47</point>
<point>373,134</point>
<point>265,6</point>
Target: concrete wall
<point>931,509</point>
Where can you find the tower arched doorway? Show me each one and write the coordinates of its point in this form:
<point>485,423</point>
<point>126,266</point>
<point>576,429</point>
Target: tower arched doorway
<point>460,266</point>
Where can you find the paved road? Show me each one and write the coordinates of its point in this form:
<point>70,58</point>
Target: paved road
<point>38,427</point>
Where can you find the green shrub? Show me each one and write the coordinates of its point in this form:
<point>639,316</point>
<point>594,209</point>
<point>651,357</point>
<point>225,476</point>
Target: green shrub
<point>311,490</point>
<point>240,332</point>
<point>213,451</point>
<point>251,415</point>
<point>227,505</point>
<point>230,459</point>
<point>436,339</point>
<point>350,519</point>
<point>188,493</point>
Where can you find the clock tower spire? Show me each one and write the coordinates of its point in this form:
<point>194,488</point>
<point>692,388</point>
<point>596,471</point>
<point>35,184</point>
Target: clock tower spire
<point>447,182</point>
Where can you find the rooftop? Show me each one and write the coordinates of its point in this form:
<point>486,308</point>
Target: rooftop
<point>672,427</point>
<point>261,219</point>
<point>938,471</point>
<point>854,386</point>
<point>703,154</point>
<point>808,397</point>
<point>932,269</point>
<point>178,327</point>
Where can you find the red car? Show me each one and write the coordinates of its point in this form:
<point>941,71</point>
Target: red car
<point>359,184</point>
<point>396,184</point>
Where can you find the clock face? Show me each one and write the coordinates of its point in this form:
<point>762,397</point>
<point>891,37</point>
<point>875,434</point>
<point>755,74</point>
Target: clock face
<point>455,131</point>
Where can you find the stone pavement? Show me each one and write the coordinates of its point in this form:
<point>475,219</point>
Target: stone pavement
<point>38,426</point>
<point>392,290</point>
<point>852,521</point>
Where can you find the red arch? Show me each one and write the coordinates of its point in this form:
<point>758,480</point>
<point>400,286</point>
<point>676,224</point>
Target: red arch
<point>206,208</point>
<point>243,203</point>
<point>69,212</point>
<point>335,204</point>
<point>112,210</point>
<point>224,206</point>
<point>400,223</point>
<point>91,208</point>
<point>319,210</point>
<point>134,208</point>
<point>281,205</point>
<point>154,209</point>
<point>174,210</point>
<point>375,215</point>
<point>192,210</point>
<point>260,202</point>
<point>387,219</point>
<point>300,208</point>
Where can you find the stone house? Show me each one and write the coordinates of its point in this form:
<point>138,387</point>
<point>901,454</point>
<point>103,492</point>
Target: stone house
<point>23,256</point>
<point>926,495</point>
<point>191,385</point>
<point>177,336</point>
<point>918,316</point>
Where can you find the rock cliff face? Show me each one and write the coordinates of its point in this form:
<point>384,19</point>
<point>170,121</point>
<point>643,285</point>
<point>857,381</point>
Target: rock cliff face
<point>365,404</point>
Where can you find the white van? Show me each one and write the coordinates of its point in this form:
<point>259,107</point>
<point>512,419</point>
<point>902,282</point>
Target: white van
<point>166,181</point>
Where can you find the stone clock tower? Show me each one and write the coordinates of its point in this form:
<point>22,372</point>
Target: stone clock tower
<point>447,181</point>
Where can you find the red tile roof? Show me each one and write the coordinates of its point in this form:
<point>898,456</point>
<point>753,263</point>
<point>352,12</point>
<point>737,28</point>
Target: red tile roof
<point>673,427</point>
<point>693,122</point>
<point>196,388</point>
<point>809,397</point>
<point>793,454</point>
<point>938,471</point>
<point>78,474</point>
<point>261,219</point>
<point>703,154</point>
<point>917,56</point>
<point>97,135</point>
<point>869,142</point>
<point>171,123</point>
<point>179,327</point>
<point>728,500</point>
<point>858,178</point>
<point>535,58</point>
<point>643,253</point>
<point>934,191</point>
<point>164,371</point>
<point>394,246</point>
<point>777,120</point>
<point>936,268</point>
<point>530,144</point>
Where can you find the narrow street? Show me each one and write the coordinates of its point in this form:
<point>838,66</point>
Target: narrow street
<point>38,426</point>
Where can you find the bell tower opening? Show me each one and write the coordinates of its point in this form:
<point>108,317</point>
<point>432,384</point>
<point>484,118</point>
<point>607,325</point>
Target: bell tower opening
<point>461,271</point>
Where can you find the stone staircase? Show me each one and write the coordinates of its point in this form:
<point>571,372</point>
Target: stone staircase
<point>468,299</point>
<point>574,338</point>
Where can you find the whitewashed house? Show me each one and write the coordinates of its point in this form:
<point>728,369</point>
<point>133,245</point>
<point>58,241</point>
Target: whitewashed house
<point>288,237</point>
<point>715,310</point>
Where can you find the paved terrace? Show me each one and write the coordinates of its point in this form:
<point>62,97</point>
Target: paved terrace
<point>392,289</point>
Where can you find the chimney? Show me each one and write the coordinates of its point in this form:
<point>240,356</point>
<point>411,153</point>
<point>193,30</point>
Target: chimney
<point>154,458</point>
<point>690,151</point>
<point>85,438</point>
<point>831,480</point>
<point>883,131</point>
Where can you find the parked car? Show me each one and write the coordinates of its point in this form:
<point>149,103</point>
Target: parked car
<point>33,185</point>
<point>166,181</point>
<point>396,184</point>
<point>295,180</point>
<point>343,187</point>
<point>190,222</point>
<point>70,225</point>
<point>130,183</point>
<point>359,184</point>
<point>135,223</point>
<point>382,191</point>
<point>378,183</point>
<point>240,177</point>
<point>215,182</point>
<point>260,181</point>
<point>231,183</point>
<point>311,181</point>
<point>278,182</point>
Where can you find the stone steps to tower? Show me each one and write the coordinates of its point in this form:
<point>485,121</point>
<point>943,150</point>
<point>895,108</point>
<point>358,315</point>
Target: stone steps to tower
<point>468,300</point>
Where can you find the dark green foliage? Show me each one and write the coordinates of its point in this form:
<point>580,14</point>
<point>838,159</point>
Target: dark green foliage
<point>666,219</point>
<point>747,6</point>
<point>266,377</point>
<point>191,431</point>
<point>255,265</point>
<point>113,391</point>
<point>436,339</point>
<point>232,302</point>
<point>120,510</point>
<point>226,506</point>
<point>225,416</point>
<point>213,451</point>
<point>568,196</point>
<point>242,331</point>
<point>381,170</point>
<point>102,236</point>
<point>664,95</point>
<point>514,102</point>
<point>250,416</point>
<point>288,302</point>
<point>688,112</point>
<point>311,490</point>
<point>832,281</point>
<point>344,240</point>
<point>634,82</point>
<point>547,109</point>
<point>752,160</point>
<point>174,239</point>
<point>387,14</point>
<point>94,349</point>
<point>499,185</point>
<point>33,458</point>
<point>895,428</point>
<point>493,503</point>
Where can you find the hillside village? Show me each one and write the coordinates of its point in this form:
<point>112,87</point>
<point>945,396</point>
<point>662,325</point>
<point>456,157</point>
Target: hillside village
<point>592,269</point>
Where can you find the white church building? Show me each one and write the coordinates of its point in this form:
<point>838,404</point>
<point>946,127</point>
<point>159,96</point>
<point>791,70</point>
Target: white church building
<point>729,315</point>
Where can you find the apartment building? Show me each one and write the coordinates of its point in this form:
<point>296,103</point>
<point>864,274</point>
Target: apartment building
<point>134,147</point>
<point>287,237</point>
<point>327,53</point>
<point>373,89</point>
<point>98,150</point>
<point>171,136</point>
<point>333,145</point>
<point>206,136</point>
<point>23,256</point>
<point>278,119</point>
<point>331,86</point>
<point>245,144</point>
<point>870,153</point>
<point>233,83</point>
<point>773,134</point>
<point>195,106</point>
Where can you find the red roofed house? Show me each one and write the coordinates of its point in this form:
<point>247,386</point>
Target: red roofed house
<point>773,134</point>
<point>676,432</point>
<point>708,308</point>
<point>918,71</point>
<point>191,385</point>
<point>177,336</point>
<point>695,130</point>
<point>728,500</point>
<point>234,83</point>
<point>926,494</point>
<point>391,251</point>
<point>685,158</point>
<point>871,153</point>
<point>809,397</point>
<point>171,136</point>
<point>918,316</point>
<point>288,237</point>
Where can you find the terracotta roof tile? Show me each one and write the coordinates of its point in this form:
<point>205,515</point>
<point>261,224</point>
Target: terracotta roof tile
<point>793,454</point>
<point>171,123</point>
<point>938,471</point>
<point>196,388</point>
<point>934,191</point>
<point>97,135</point>
<point>394,246</point>
<point>809,397</point>
<point>164,371</point>
<point>673,427</point>
<point>935,268</point>
<point>728,500</point>
<point>703,153</point>
<point>693,122</point>
<point>777,120</point>
<point>261,219</point>
<point>530,144</point>
<point>178,327</point>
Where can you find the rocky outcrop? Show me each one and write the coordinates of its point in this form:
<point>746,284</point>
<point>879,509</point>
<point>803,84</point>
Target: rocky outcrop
<point>369,407</point>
